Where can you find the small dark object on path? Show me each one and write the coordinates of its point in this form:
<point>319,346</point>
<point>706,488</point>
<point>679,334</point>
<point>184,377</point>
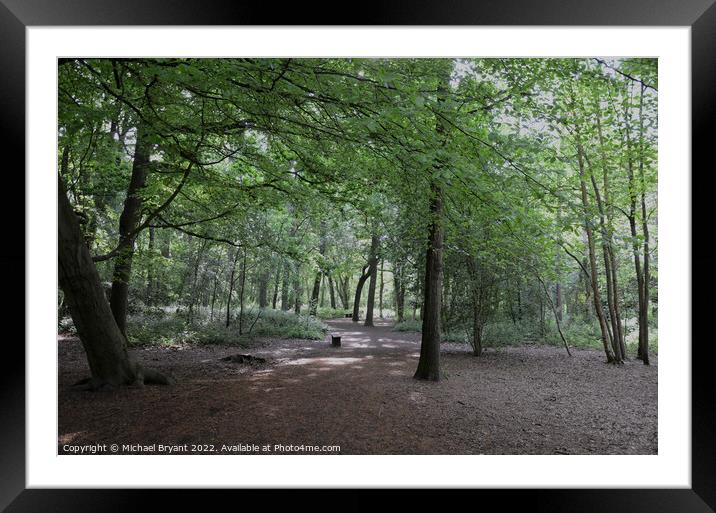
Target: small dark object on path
<point>243,358</point>
<point>336,340</point>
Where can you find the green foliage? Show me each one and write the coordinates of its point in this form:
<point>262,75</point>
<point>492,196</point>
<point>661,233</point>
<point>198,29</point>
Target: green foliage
<point>507,333</point>
<point>331,313</point>
<point>172,329</point>
<point>408,325</point>
<point>266,173</point>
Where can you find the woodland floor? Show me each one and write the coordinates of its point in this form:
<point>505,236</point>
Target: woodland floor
<point>362,397</point>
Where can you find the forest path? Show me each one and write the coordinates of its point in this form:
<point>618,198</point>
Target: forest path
<point>362,397</point>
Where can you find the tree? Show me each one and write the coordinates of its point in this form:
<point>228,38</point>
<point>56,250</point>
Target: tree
<point>103,341</point>
<point>372,272</point>
<point>429,363</point>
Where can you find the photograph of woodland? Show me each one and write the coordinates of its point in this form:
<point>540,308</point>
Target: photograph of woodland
<point>357,256</point>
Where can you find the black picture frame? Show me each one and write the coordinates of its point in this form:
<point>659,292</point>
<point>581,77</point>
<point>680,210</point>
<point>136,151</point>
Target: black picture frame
<point>700,15</point>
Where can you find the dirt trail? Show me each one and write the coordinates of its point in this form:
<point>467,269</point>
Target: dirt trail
<point>362,397</point>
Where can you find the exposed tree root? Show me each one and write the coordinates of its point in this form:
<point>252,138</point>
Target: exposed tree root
<point>243,358</point>
<point>142,377</point>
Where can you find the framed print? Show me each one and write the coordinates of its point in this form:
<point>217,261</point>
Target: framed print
<point>427,245</point>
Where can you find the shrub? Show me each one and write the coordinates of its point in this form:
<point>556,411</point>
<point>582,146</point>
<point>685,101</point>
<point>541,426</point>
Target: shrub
<point>145,329</point>
<point>579,334</point>
<point>460,337</point>
<point>66,325</point>
<point>506,333</point>
<point>161,327</point>
<point>409,325</point>
<point>331,313</point>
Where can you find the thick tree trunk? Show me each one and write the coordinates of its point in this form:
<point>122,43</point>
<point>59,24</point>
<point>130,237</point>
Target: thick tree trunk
<point>332,291</point>
<point>104,344</point>
<point>322,303</point>
<point>263,289</point>
<point>359,290</point>
<point>371,298</point>
<point>128,222</point>
<point>429,363</point>
<point>345,284</point>
<point>373,271</point>
<point>339,290</point>
<point>315,294</point>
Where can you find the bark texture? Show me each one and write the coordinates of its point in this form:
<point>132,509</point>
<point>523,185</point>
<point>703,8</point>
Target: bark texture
<point>128,222</point>
<point>104,343</point>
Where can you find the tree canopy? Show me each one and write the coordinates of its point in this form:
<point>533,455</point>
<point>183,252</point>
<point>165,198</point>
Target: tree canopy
<point>492,198</point>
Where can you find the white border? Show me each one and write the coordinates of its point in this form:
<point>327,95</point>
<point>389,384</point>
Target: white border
<point>670,468</point>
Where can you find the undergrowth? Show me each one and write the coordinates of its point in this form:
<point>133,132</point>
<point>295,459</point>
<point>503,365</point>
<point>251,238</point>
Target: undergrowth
<point>167,327</point>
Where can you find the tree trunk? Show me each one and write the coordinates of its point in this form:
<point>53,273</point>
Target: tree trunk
<point>315,294</point>
<point>399,285</point>
<point>232,262</point>
<point>343,291</point>
<point>606,212</point>
<point>263,289</point>
<point>558,300</point>
<point>644,312</point>
<point>241,294</point>
<point>128,222</point>
<point>587,284</point>
<point>297,291</point>
<point>285,304</point>
<point>380,294</point>
<point>429,363</point>
<point>277,281</point>
<point>606,252</point>
<point>213,296</point>
<point>160,285</point>
<point>192,297</point>
<point>332,291</point>
<point>593,261</point>
<point>104,343</point>
<point>359,290</point>
<point>149,295</point>
<point>373,271</point>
